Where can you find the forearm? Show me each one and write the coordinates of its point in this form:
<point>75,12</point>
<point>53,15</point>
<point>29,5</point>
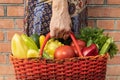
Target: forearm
<point>59,6</point>
<point>60,24</point>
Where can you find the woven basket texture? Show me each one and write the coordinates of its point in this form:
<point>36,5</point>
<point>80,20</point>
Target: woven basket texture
<point>78,68</point>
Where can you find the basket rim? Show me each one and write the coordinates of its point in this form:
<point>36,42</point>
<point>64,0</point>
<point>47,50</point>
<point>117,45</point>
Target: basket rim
<point>83,57</point>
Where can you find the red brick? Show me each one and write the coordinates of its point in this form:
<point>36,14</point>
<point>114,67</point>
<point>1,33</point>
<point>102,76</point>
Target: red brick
<point>118,25</point>
<point>2,58</point>
<point>113,1</point>
<point>95,1</point>
<point>1,36</point>
<point>105,24</point>
<point>115,35</point>
<point>91,23</point>
<point>15,11</point>
<point>5,47</point>
<point>1,11</point>
<point>11,33</point>
<point>6,70</point>
<point>113,70</point>
<point>6,23</point>
<point>11,1</point>
<point>103,12</point>
<point>115,60</point>
<point>19,23</point>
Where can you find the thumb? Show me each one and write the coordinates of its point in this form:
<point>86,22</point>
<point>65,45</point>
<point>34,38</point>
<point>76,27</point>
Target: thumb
<point>52,34</point>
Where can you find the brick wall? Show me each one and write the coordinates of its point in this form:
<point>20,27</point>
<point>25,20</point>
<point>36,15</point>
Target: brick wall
<point>11,21</point>
<point>101,13</point>
<point>106,14</point>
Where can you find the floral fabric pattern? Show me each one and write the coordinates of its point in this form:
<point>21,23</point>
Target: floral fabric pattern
<point>42,16</point>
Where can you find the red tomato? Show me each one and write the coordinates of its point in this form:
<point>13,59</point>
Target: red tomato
<point>75,50</point>
<point>80,43</point>
<point>64,52</point>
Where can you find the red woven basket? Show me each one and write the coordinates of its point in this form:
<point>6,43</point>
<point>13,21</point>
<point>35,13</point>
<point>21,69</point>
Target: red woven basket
<point>77,68</point>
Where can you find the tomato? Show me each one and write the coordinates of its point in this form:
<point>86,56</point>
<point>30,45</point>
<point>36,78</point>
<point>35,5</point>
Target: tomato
<point>75,50</point>
<point>80,43</point>
<point>64,52</point>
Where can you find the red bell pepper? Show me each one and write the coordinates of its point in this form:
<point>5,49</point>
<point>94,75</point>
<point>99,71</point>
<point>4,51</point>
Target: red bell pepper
<point>92,50</point>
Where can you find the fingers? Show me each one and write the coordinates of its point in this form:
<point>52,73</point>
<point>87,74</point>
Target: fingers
<point>66,35</point>
<point>52,32</point>
<point>61,33</point>
<point>56,33</point>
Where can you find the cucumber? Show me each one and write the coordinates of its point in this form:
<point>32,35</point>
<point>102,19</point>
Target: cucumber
<point>106,46</point>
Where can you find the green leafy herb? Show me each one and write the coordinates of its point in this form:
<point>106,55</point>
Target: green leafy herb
<point>96,35</point>
<point>113,50</point>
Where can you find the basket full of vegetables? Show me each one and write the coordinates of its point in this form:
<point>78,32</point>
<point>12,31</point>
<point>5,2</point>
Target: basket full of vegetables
<point>83,57</point>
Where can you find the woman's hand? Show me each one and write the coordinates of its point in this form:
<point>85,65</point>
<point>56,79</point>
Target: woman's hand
<point>60,24</point>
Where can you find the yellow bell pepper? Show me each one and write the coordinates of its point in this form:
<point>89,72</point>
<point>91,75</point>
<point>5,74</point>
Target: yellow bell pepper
<point>19,49</point>
<point>41,40</point>
<point>32,53</point>
<point>51,46</point>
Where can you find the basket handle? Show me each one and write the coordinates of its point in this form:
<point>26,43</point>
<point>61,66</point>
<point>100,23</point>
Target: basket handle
<point>72,37</point>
